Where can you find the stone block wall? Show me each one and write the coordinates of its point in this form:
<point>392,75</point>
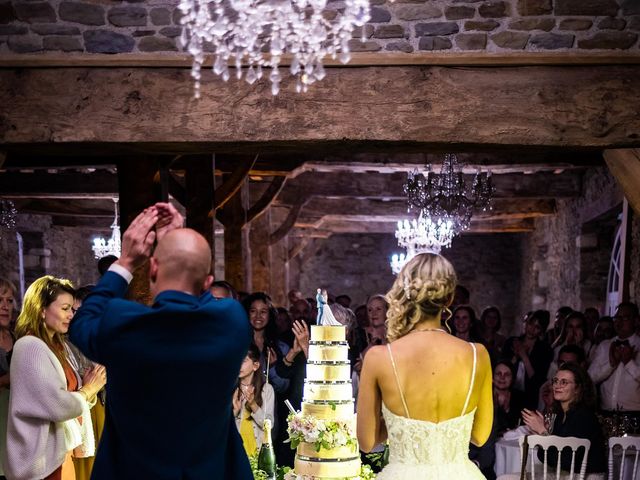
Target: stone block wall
<point>358,265</point>
<point>113,26</point>
<point>553,263</point>
<point>48,249</point>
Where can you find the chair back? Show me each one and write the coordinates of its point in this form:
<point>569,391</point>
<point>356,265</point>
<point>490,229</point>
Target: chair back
<point>547,441</point>
<point>626,443</point>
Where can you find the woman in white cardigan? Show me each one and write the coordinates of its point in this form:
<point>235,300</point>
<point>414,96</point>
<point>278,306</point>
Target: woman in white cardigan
<point>48,402</point>
<point>253,401</point>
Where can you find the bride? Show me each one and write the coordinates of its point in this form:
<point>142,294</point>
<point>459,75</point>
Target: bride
<point>427,392</point>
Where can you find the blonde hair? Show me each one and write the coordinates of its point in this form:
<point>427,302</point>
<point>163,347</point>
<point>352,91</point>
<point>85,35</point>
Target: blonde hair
<point>424,287</point>
<point>40,294</point>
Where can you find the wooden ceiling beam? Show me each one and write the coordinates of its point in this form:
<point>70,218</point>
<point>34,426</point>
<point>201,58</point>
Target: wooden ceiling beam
<point>437,106</point>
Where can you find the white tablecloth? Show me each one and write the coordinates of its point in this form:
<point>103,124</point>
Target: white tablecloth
<point>508,459</point>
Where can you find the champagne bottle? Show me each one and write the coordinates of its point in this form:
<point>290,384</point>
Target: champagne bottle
<point>267,457</point>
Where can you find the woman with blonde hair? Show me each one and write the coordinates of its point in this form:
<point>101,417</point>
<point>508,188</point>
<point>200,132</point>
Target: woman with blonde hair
<point>426,391</point>
<point>7,339</point>
<point>47,397</point>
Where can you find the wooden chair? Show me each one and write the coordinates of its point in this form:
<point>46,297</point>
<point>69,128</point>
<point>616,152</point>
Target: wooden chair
<point>625,443</point>
<point>545,442</point>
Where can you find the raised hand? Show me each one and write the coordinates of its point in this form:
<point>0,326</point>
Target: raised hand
<point>168,219</point>
<point>138,239</point>
<point>94,380</point>
<point>534,420</point>
<point>301,334</point>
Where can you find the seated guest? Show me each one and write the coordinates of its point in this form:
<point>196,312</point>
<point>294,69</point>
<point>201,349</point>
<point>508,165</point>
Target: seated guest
<point>574,405</point>
<point>488,328</point>
<point>558,324</point>
<point>507,403</point>
<point>253,402</point>
<point>616,365</point>
<point>531,356</point>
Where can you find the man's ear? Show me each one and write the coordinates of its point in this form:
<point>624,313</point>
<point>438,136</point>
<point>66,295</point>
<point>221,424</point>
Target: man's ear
<point>153,269</point>
<point>207,283</point>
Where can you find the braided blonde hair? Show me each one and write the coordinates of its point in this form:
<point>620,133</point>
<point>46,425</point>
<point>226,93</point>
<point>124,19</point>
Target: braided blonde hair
<point>424,287</point>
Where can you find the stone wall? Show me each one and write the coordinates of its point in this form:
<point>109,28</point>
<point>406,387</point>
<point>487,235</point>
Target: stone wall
<point>553,263</point>
<point>358,265</point>
<point>48,249</point>
<point>112,26</point>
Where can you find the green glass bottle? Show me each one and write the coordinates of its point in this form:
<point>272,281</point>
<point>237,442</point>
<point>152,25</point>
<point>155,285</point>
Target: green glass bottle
<point>267,457</point>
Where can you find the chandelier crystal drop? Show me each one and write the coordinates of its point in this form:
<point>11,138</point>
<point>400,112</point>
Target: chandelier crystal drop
<point>257,33</point>
<point>103,247</point>
<point>446,196</point>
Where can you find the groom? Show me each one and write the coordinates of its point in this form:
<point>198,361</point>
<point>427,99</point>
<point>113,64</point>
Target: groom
<point>173,366</point>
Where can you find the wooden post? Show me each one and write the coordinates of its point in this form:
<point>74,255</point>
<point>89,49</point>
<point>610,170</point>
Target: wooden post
<point>136,192</point>
<point>199,201</point>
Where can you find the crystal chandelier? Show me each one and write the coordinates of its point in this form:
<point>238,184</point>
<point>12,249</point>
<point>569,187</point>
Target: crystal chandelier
<point>257,33</point>
<point>102,247</point>
<point>425,234</point>
<point>446,196</point>
<point>8,214</point>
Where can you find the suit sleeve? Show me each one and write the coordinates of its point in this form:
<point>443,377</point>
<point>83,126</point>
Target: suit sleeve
<point>85,327</point>
<point>601,368</point>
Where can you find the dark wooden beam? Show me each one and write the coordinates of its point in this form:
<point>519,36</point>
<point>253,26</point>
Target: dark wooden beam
<point>266,198</point>
<point>286,226</point>
<point>437,106</point>
<point>232,184</point>
<point>40,184</point>
<point>199,193</point>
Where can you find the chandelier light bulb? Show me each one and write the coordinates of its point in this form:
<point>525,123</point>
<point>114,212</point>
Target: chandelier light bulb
<point>102,247</point>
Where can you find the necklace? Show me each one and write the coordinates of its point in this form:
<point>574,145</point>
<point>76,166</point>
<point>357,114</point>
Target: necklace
<point>429,330</point>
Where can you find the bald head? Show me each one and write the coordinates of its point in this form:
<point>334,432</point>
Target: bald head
<point>182,257</point>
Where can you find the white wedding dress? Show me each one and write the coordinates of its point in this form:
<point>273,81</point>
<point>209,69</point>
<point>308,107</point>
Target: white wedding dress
<point>422,450</point>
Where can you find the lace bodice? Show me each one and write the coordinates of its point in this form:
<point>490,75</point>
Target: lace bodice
<point>421,442</point>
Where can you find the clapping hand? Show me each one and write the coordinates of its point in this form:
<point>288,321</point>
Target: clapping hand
<point>168,219</point>
<point>94,380</point>
<point>138,239</point>
<point>534,420</point>
<point>301,334</point>
<point>627,353</point>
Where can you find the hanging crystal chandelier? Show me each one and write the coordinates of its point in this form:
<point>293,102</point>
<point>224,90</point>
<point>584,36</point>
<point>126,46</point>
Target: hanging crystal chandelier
<point>425,234</point>
<point>446,196</point>
<point>8,214</point>
<point>257,33</point>
<point>103,247</point>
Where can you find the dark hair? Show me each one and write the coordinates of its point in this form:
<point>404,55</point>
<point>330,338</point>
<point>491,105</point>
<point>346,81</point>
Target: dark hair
<point>586,395</point>
<point>463,291</point>
<point>574,350</point>
<point>605,319</point>
<point>632,306</point>
<point>508,363</point>
<point>105,262</point>
<point>271,329</point>
<point>542,317</point>
<point>488,310</point>
<point>83,292</point>
<point>258,379</point>
<point>345,297</point>
<point>592,309</point>
<point>225,286</point>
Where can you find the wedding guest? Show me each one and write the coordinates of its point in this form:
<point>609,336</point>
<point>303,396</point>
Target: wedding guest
<point>574,406</point>
<point>47,395</point>
<point>284,322</point>
<point>253,402</point>
<point>221,289</point>
<point>507,402</point>
<point>604,331</point>
<point>531,356</point>
<point>377,316</point>
<point>301,311</point>
<point>464,323</point>
<point>8,295</point>
<point>263,317</point>
<point>592,315</point>
<point>344,300</point>
<point>616,366</point>
<point>558,324</point>
<point>488,330</point>
<point>574,332</point>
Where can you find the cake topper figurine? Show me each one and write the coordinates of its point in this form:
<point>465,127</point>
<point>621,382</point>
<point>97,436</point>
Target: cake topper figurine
<point>325,316</point>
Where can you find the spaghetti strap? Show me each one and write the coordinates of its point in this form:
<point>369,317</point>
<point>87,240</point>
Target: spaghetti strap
<point>395,373</point>
<point>473,378</point>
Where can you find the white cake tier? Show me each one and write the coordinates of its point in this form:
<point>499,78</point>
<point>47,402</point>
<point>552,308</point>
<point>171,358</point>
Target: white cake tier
<point>336,392</point>
<point>328,334</point>
<point>328,372</point>
<point>309,450</point>
<point>330,353</point>
<point>327,468</point>
<point>339,411</point>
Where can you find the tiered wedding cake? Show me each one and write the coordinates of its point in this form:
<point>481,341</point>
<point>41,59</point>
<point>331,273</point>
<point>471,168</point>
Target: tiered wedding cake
<point>328,399</point>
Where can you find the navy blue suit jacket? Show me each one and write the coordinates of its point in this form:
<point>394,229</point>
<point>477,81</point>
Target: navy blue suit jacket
<point>171,372</point>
